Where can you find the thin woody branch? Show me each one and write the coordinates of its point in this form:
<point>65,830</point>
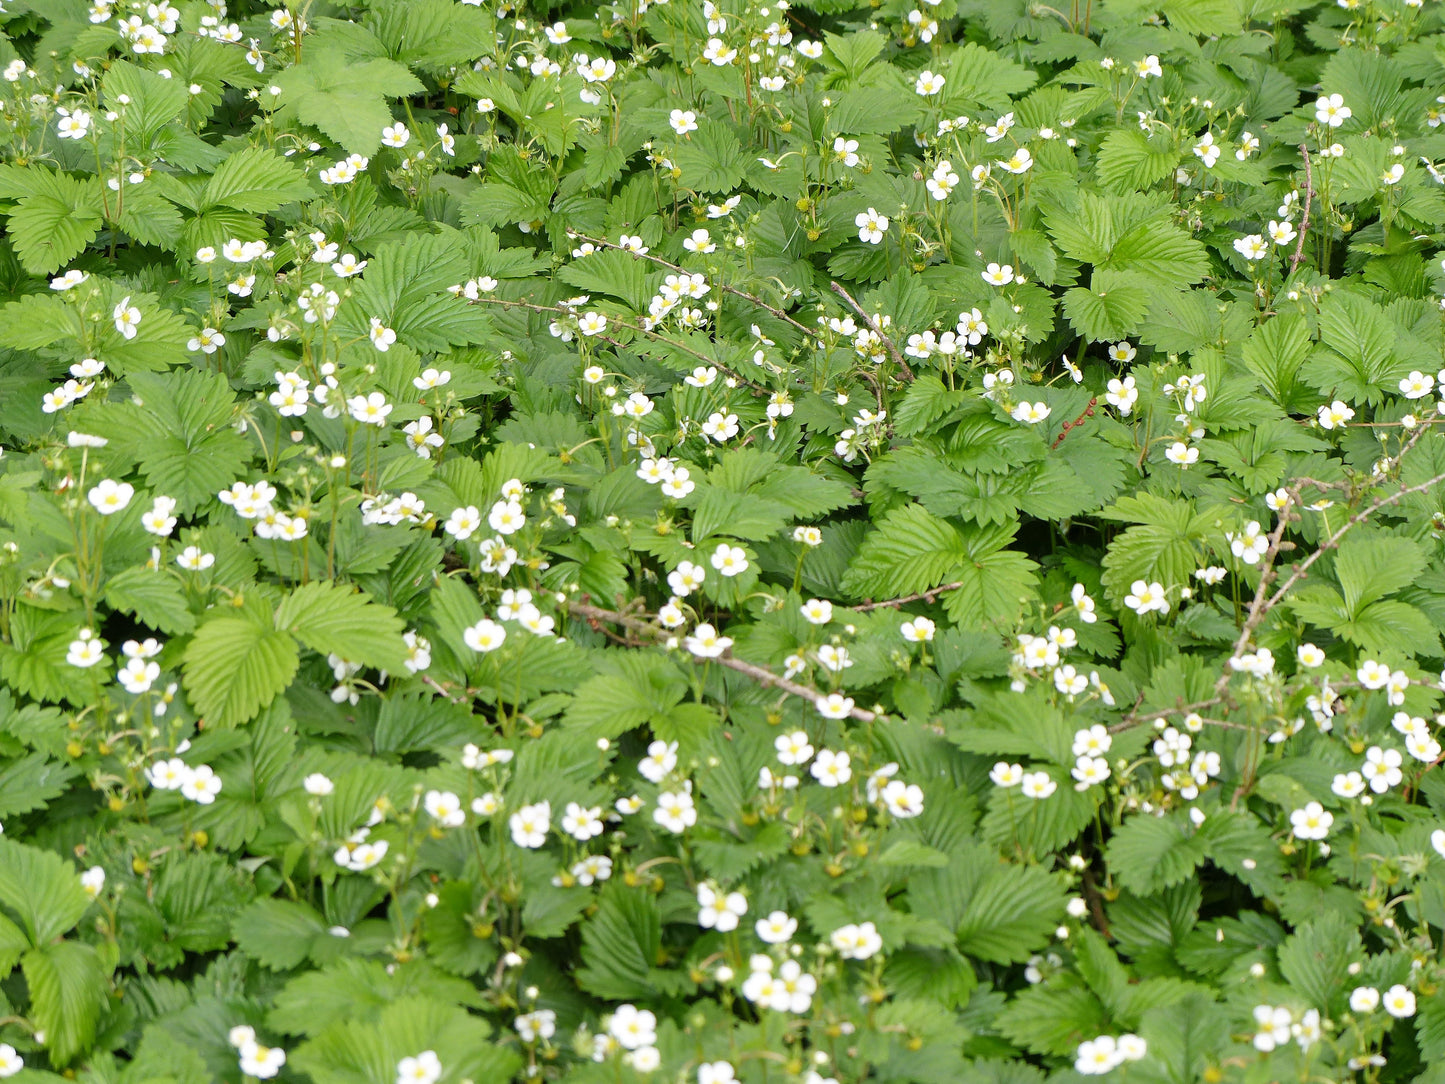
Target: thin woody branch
<point>596,615</point>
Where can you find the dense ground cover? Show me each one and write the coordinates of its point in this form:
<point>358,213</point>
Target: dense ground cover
<point>721,541</point>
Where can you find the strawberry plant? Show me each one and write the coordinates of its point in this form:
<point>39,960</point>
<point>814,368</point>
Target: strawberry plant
<point>732,542</point>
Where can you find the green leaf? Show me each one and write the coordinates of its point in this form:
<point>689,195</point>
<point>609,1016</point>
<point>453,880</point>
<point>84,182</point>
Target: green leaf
<point>978,76</point>
<point>345,99</point>
<point>255,180</point>
<point>1129,159</point>
<point>32,782</point>
<point>42,889</point>
<point>366,1051</point>
<point>1357,359</point>
<point>711,160</point>
<point>234,667</point>
<point>910,551</point>
<point>279,934</point>
<point>1148,853</point>
<point>994,585</point>
<point>620,945</point>
<point>1110,309</point>
<point>1315,960</point>
<point>154,597</point>
<point>68,986</point>
<point>1011,913</point>
<point>332,619</point>
<point>53,226</point>
<point>1371,568</point>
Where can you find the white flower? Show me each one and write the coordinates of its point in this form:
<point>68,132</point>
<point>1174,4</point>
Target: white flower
<point>582,824</point>
<point>927,84</point>
<point>1097,1057</point>
<point>777,928</point>
<point>998,274</point>
<point>592,323</point>
<point>632,1027</point>
<point>686,578</point>
<point>831,769</point>
<point>1144,597</point>
<point>261,1062</point>
<point>1311,822</point>
<point>425,1068</point>
<point>201,785</point>
<point>729,560</point>
<point>370,409</point>
<point>817,611</point>
<point>318,785</point>
<point>706,643</point>
<point>1252,247</point>
<point>506,517</point>
<point>1182,454</point>
<point>138,675</point>
<point>1382,768</point>
<point>1031,413</point>
<point>719,910</point>
<point>1206,150</point>
<point>110,496</point>
<point>661,758</point>
<point>1038,785</point>
<point>485,636</point>
<point>1399,1002</point>
<point>1373,674</point>
<point>539,1024</point>
<point>1332,110</point>
<point>127,318</point>
<point>530,824</point>
<point>1148,66</point>
<point>683,121</point>
<point>675,811</point>
<point>1281,233</point>
<point>1417,385</point>
<point>194,559</point>
<point>1334,415</point>
<point>1364,999</point>
<point>856,942</point>
<point>1004,774</point>
<point>902,800</point>
<point>919,630</point>
<point>716,1072</point>
<point>834,706</point>
<point>871,226</point>
<point>1272,1027</point>
<point>1122,394</point>
<point>1019,162</point>
<point>445,808</point>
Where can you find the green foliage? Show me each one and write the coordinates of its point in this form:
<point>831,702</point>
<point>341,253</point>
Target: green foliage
<point>705,542</point>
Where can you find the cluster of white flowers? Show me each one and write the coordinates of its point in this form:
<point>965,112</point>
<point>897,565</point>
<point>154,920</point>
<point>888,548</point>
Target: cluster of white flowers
<point>1276,1025</point>
<point>674,478</point>
<point>257,1060</point>
<point>199,784</point>
<point>1096,1057</point>
<point>785,988</point>
<point>254,502</point>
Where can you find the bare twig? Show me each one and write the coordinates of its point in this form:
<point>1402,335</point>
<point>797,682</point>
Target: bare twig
<point>922,596</point>
<point>1304,225</point>
<point>1087,412</point>
<point>1264,601</point>
<point>631,621</point>
<point>877,327</point>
